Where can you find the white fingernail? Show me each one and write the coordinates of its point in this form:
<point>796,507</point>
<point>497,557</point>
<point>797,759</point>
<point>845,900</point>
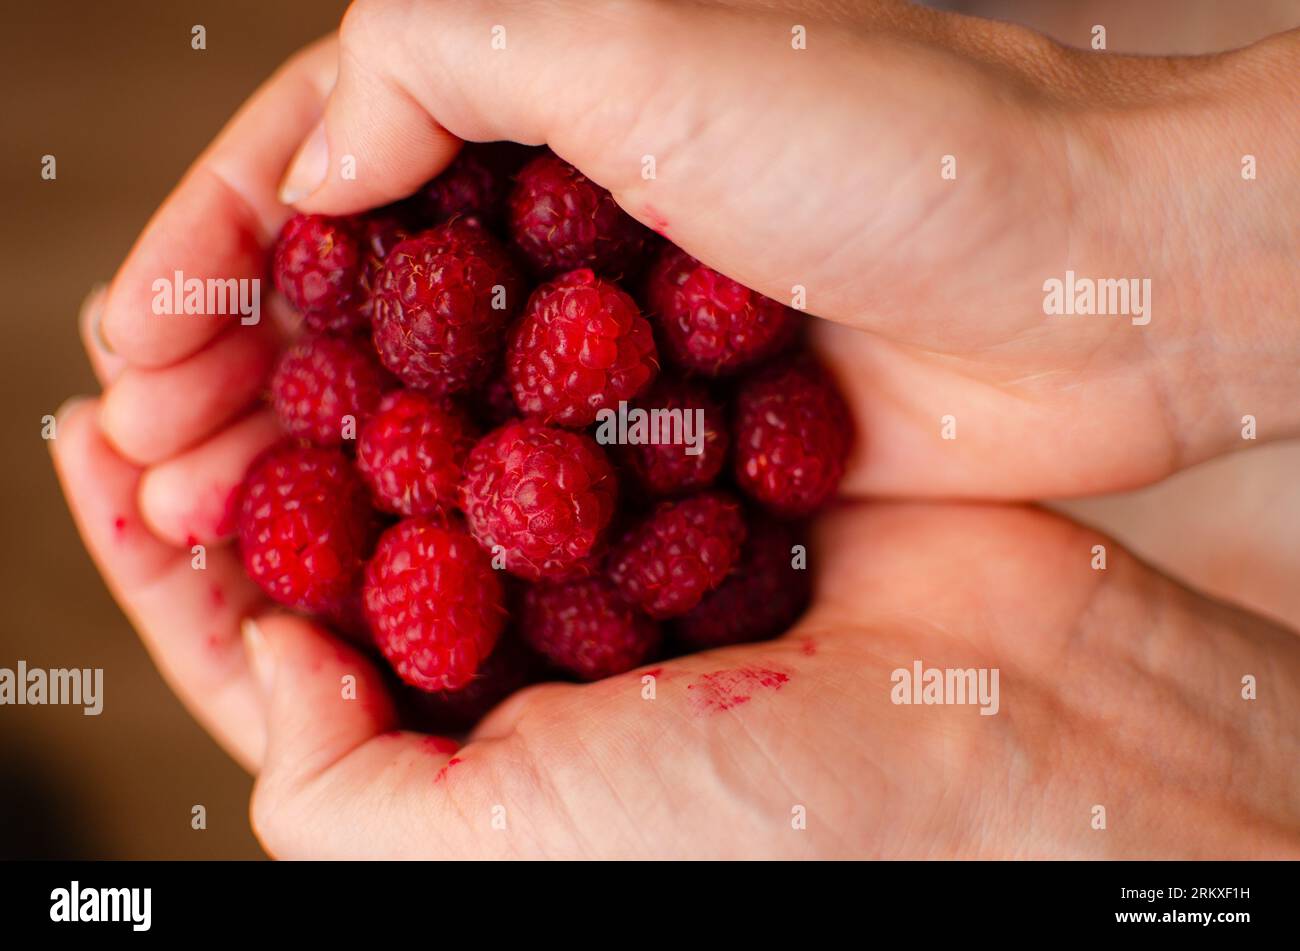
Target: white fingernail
<point>260,656</point>
<point>307,170</point>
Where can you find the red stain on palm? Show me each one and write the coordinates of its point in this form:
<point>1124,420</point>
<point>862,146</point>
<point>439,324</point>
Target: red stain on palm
<point>119,527</point>
<point>656,222</point>
<point>809,647</point>
<point>442,773</point>
<point>655,672</point>
<point>217,595</point>
<point>440,744</point>
<point>725,689</point>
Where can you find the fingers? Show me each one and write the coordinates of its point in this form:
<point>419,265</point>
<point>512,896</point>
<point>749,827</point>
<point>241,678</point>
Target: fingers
<point>152,414</point>
<point>323,699</point>
<point>332,759</point>
<point>339,781</point>
<point>187,616</point>
<point>856,110</point>
<point>219,220</point>
<point>372,119</point>
<point>190,498</point>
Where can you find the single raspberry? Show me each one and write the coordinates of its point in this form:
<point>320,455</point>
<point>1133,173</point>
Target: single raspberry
<point>545,495</point>
<point>476,183</point>
<point>581,346</point>
<point>317,265</point>
<point>510,667</point>
<point>321,382</point>
<point>561,220</point>
<point>586,628</point>
<point>660,458</point>
<point>411,453</point>
<point>709,323</point>
<point>380,232</point>
<point>442,305</point>
<point>305,526</point>
<point>678,553</point>
<point>433,602</point>
<point>761,598</point>
<point>792,433</point>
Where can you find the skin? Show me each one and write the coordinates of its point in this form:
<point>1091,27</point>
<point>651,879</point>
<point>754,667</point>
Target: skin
<point>1119,688</point>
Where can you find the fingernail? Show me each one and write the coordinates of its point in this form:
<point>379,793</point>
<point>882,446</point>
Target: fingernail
<point>92,310</point>
<point>260,657</point>
<point>307,170</point>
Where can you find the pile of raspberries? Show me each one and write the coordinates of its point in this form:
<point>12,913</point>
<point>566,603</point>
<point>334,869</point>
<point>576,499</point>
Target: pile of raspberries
<point>441,496</point>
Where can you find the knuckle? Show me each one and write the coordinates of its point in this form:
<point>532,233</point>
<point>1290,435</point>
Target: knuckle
<point>365,21</point>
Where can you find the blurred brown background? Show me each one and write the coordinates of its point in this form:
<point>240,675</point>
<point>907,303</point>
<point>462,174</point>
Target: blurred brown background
<point>116,93</point>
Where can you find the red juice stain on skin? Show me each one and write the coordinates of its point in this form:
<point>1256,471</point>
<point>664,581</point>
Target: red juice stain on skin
<point>727,689</point>
<point>191,541</point>
<point>229,513</point>
<point>442,773</point>
<point>440,744</point>
<point>218,596</point>
<point>656,222</point>
<point>808,647</point>
<point>655,672</point>
<point>119,527</point>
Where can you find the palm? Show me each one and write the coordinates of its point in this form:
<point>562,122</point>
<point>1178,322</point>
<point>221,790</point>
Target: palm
<point>735,740</point>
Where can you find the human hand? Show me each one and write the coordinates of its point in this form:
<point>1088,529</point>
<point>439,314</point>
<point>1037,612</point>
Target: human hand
<point>1117,688</point>
<point>984,360</point>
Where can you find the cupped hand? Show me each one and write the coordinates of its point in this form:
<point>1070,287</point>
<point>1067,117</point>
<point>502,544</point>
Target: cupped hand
<point>1116,689</point>
<point>817,167</point>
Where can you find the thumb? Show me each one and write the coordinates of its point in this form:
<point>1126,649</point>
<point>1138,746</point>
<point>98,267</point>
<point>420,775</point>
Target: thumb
<point>670,106</point>
<point>375,143</point>
<point>323,699</point>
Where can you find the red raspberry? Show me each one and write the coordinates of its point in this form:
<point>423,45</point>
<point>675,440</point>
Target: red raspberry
<point>560,220</point>
<point>666,468</point>
<point>321,380</point>
<point>761,598</point>
<point>305,526</point>
<point>545,495</point>
<point>476,183</point>
<point>587,628</point>
<point>442,305</point>
<point>581,346</point>
<point>509,668</point>
<point>381,231</point>
<point>433,602</point>
<point>411,453</point>
<point>792,434</point>
<point>678,553</point>
<point>710,323</point>
<point>317,265</point>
